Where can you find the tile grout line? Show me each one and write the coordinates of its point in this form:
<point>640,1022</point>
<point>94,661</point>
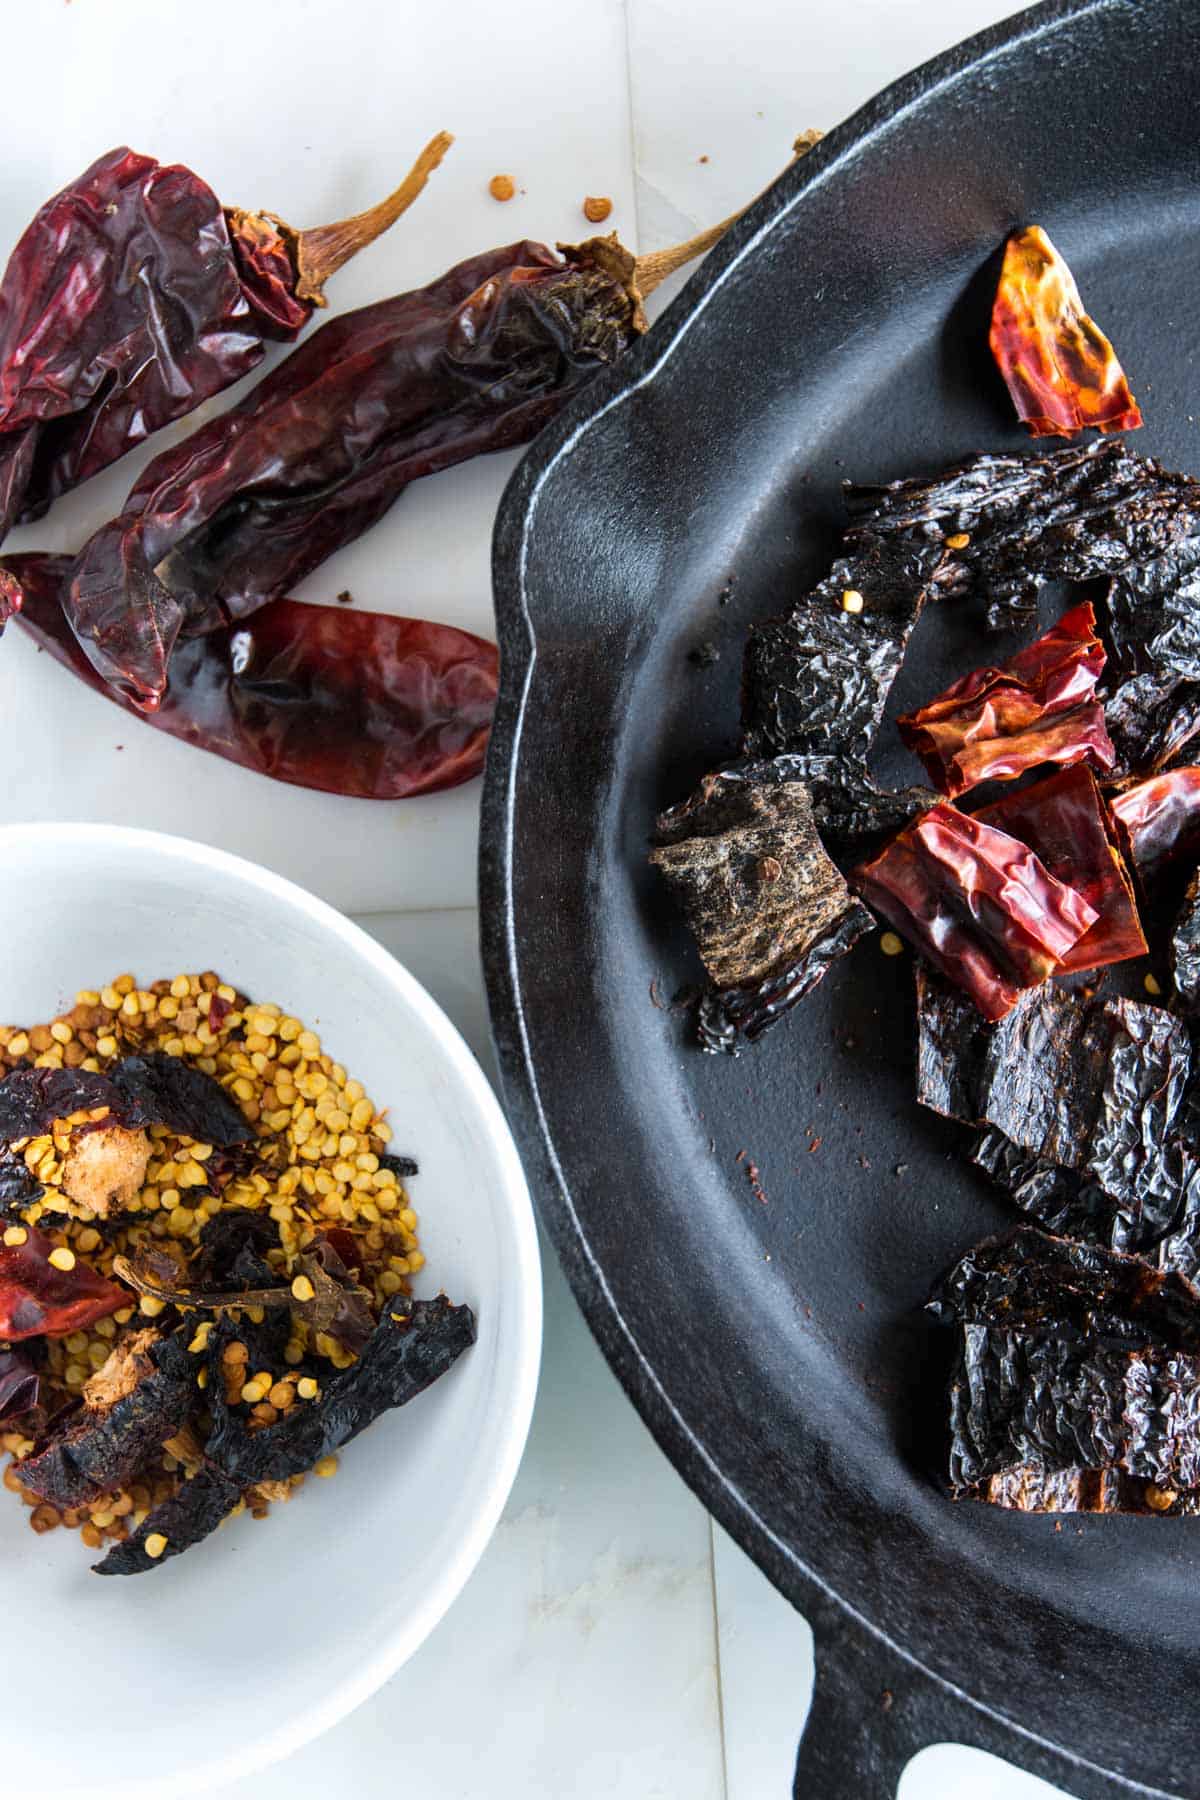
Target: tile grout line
<point>716,1614</point>
<point>627,10</point>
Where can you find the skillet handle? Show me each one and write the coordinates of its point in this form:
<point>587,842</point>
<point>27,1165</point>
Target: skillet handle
<point>862,1727</point>
<point>873,1710</point>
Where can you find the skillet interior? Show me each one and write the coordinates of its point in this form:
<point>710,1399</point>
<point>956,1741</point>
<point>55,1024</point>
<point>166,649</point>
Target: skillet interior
<point>777,1347</point>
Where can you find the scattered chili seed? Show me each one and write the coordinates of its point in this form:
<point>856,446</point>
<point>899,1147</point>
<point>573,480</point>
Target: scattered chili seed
<point>890,944</point>
<point>852,601</point>
<point>1151,985</point>
<point>502,187</point>
<point>958,541</point>
<point>325,1466</point>
<point>155,1544</point>
<point>596,208</point>
<point>62,1258</point>
<point>302,1288</point>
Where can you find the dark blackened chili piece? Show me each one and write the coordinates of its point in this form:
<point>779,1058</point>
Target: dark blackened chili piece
<point>349,702</point>
<point>242,510</point>
<point>134,295</point>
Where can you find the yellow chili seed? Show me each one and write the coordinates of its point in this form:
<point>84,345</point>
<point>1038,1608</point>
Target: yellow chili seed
<point>62,1258</point>
<point>202,1379</point>
<point>155,1544</point>
<point>75,1342</point>
<point>123,1317</point>
<point>200,1341</point>
<point>389,1282</point>
<point>325,1466</point>
<point>415,1261</point>
<point>14,1235</point>
<point>18,1045</point>
<point>310,1044</point>
<point>61,1032</point>
<point>852,601</point>
<point>1151,985</point>
<point>89,1240</point>
<point>180,988</point>
<point>110,1000</point>
<point>293,1354</point>
<point>75,1374</point>
<point>890,944</point>
<point>302,1288</point>
<point>253,1391</point>
<point>281,1394</point>
<point>86,997</point>
<point>150,1306</point>
<point>958,540</point>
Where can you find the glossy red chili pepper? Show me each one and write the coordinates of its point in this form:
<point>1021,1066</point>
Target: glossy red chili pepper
<point>326,697</point>
<point>977,903</point>
<point>1158,819</point>
<point>1064,822</point>
<point>236,514</point>
<point>133,296</point>
<point>1059,368</point>
<point>1038,707</point>
<point>39,1300</point>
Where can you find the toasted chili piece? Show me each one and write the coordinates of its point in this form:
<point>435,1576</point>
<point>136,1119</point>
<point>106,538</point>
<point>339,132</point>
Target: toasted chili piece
<point>1064,822</point>
<point>132,297</point>
<point>979,905</point>
<point>354,703</point>
<point>39,1299</point>
<point>1038,707</point>
<point>236,514</point>
<point>1060,369</point>
<point>22,1387</point>
<point>1159,819</point>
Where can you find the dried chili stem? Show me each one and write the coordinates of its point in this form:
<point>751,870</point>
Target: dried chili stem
<point>321,251</point>
<point>640,275</point>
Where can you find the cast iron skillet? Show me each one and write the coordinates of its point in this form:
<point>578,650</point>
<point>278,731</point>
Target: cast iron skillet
<point>776,1346</point>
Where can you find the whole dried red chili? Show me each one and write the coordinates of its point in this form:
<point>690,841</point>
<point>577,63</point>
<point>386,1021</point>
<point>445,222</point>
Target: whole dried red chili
<point>977,903</point>
<point>1038,707</point>
<point>1059,368</point>
<point>1159,819</point>
<point>133,296</point>
<point>38,1299</point>
<point>236,514</point>
<point>1064,822</point>
<point>325,697</point>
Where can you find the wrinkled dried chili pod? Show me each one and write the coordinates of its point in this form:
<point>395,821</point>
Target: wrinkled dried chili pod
<point>1059,368</point>
<point>1064,821</point>
<point>1158,819</point>
<point>1038,707</point>
<point>325,697</point>
<point>977,903</point>
<point>236,514</point>
<point>132,297</point>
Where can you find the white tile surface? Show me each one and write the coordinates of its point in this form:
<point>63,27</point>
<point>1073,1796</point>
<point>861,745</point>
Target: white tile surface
<point>581,1662</point>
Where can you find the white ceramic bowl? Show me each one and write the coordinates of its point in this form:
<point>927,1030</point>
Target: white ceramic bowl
<point>268,1633</point>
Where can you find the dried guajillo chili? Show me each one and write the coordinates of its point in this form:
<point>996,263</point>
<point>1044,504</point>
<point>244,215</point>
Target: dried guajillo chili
<point>353,703</point>
<point>1038,707</point>
<point>1158,819</point>
<point>1059,368</point>
<point>977,903</point>
<point>134,295</point>
<point>239,512</point>
<point>1064,822</point>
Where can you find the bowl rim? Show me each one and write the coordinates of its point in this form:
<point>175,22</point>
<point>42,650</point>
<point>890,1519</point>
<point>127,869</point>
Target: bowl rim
<point>380,1661</point>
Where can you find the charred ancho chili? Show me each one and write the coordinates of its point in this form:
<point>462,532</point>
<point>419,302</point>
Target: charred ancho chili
<point>204,1274</point>
<point>133,296</point>
<point>350,702</point>
<point>1059,368</point>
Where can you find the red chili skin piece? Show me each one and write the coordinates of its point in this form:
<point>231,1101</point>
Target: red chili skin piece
<point>38,1300</point>
<point>977,903</point>
<point>1060,369</point>
<point>352,703</point>
<point>240,511</point>
<point>1038,707</point>
<point>1064,822</point>
<point>1158,819</point>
